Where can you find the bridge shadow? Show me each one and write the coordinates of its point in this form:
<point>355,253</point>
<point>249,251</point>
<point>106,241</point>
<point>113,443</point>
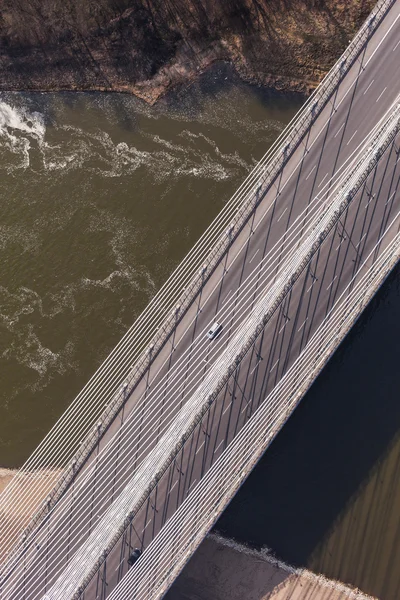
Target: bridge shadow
<point>330,445</point>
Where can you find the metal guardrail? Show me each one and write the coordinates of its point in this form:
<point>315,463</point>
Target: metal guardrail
<point>320,98</point>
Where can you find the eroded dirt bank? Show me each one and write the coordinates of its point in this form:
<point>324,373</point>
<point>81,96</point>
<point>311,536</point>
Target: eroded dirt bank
<point>147,46</point>
<point>222,569</point>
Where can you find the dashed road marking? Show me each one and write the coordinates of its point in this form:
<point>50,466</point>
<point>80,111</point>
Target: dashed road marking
<point>351,137</point>
<point>301,326</point>
<point>221,442</point>
<point>282,214</point>
<point>254,255</point>
<point>339,130</point>
<point>331,283</point>
<point>322,180</point>
<point>198,450</point>
<point>274,366</point>
<point>172,487</point>
<point>369,87</point>
<point>361,240</point>
<point>313,169</point>
<point>227,407</point>
<point>381,94</point>
<point>390,197</point>
<point>147,524</point>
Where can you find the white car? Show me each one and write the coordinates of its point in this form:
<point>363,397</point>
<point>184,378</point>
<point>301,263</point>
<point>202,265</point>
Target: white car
<point>214,330</point>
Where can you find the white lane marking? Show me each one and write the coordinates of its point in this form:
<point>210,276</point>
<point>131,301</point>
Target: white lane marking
<point>219,445</point>
<point>370,200</point>
<point>198,450</point>
<point>397,160</point>
<point>282,214</point>
<point>254,255</point>
<point>227,407</point>
<point>396,46</point>
<point>322,180</point>
<point>314,280</point>
<point>301,326</point>
<point>227,296</point>
<point>283,327</point>
<point>351,137</point>
<point>193,482</point>
<point>341,242</point>
<point>245,408</point>
<point>148,523</point>
<point>381,94</point>
<point>313,169</point>
<point>251,372</point>
<point>389,199</point>
<point>361,240</point>
<point>339,130</point>
<point>172,487</point>
<point>274,366</point>
<point>368,87</point>
<point>331,283</point>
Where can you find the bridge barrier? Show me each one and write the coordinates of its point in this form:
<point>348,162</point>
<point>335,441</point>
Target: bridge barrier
<point>266,175</point>
<point>105,536</point>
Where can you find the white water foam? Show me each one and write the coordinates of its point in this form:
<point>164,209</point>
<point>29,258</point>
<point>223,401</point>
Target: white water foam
<point>17,128</point>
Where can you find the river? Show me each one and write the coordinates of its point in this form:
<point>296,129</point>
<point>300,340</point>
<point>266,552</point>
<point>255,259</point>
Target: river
<point>101,196</point>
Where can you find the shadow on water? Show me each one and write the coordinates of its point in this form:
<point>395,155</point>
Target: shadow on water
<point>324,493</point>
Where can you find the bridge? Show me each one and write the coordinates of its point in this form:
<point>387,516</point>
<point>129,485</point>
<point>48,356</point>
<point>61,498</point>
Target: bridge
<point>163,435</point>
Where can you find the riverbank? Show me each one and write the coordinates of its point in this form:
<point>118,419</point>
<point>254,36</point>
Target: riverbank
<point>27,504</point>
<point>5,477</point>
<point>148,48</point>
<point>223,569</point>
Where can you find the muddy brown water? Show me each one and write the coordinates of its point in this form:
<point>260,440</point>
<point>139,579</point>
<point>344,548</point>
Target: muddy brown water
<point>100,198</point>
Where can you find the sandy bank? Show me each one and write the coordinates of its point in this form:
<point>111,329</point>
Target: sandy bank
<point>19,514</point>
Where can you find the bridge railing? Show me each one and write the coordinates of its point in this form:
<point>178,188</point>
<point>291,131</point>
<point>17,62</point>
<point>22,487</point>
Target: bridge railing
<point>111,385</point>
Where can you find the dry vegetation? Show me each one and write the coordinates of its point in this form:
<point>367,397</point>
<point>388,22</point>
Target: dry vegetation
<point>145,46</point>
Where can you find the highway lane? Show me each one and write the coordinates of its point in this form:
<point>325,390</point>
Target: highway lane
<point>308,166</point>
